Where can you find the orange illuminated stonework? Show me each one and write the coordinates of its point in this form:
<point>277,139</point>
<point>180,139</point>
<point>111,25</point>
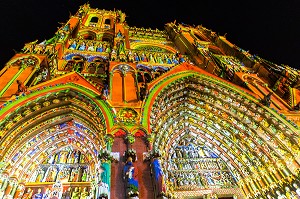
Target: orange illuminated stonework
<point>108,110</point>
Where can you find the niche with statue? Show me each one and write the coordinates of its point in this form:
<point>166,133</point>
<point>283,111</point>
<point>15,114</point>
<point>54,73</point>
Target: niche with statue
<point>64,166</point>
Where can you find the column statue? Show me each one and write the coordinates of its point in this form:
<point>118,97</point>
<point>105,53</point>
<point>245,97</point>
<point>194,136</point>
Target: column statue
<point>130,174</point>
<point>159,178</point>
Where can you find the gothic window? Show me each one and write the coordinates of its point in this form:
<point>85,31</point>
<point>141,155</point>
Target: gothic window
<point>148,77</point>
<point>89,37</point>
<point>216,51</point>
<point>69,65</point>
<point>107,23</point>
<point>78,63</point>
<point>140,77</point>
<point>124,79</point>
<point>199,37</point>
<point>156,74</point>
<point>92,68</point>
<point>94,20</point>
<point>106,39</point>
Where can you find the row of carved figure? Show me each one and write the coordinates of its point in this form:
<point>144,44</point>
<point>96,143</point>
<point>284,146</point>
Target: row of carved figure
<point>186,180</point>
<point>51,193</point>
<point>64,174</point>
<point>160,58</point>
<point>63,157</point>
<point>80,66</point>
<point>90,46</point>
<point>288,192</point>
<point>191,151</point>
<point>195,164</point>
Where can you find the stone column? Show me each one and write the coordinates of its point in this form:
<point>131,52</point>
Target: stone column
<point>159,179</point>
<point>123,87</point>
<point>13,79</point>
<point>19,191</point>
<point>244,187</point>
<point>150,139</point>
<point>4,184</point>
<point>104,183</point>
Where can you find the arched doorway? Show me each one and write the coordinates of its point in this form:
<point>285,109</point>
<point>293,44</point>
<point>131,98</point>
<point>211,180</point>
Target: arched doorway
<point>213,138</point>
<point>52,141</point>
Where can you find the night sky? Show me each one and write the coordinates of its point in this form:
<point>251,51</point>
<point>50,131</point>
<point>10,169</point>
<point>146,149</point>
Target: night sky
<point>269,29</point>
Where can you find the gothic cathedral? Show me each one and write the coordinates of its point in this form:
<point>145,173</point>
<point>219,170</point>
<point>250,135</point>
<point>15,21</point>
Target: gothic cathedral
<point>104,110</point>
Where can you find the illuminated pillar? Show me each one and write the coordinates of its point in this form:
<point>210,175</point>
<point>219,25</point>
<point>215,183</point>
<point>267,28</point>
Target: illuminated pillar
<point>248,185</point>
<point>266,179</point>
<point>261,182</point>
<point>278,175</point>
<point>123,86</point>
<point>105,164</point>
<point>284,171</point>
<point>9,187</point>
<point>14,187</point>
<point>275,175</point>
<point>138,93</point>
<point>257,181</point>
<point>297,172</point>
<point>1,180</point>
<point>254,187</point>
<point>269,179</point>
<point>4,185</point>
<point>295,167</point>
<point>110,85</point>
<point>244,188</point>
<point>19,191</point>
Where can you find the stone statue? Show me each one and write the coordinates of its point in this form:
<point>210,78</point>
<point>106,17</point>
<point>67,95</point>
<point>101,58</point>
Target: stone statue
<point>28,194</point>
<point>67,193</point>
<point>130,177</point>
<point>84,194</point>
<point>47,194</point>
<point>290,194</point>
<point>297,189</point>
<point>159,177</point>
<point>38,195</point>
<point>76,193</point>
<point>280,196</point>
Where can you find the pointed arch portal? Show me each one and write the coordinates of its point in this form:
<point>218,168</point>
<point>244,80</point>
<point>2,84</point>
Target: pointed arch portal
<point>210,134</point>
<point>59,130</point>
<point>105,110</point>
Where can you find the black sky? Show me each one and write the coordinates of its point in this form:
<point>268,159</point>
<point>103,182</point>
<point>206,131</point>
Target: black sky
<point>269,29</point>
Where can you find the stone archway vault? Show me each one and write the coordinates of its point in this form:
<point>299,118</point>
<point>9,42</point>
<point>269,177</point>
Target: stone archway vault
<point>258,146</point>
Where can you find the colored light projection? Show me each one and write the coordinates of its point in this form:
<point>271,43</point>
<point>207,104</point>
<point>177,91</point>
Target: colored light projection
<point>110,109</point>
<point>213,135</point>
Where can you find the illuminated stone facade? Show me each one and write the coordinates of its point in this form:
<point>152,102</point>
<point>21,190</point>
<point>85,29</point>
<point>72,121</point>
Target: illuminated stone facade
<point>106,110</point>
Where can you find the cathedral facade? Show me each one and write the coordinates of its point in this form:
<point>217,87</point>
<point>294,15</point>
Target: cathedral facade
<point>107,110</point>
